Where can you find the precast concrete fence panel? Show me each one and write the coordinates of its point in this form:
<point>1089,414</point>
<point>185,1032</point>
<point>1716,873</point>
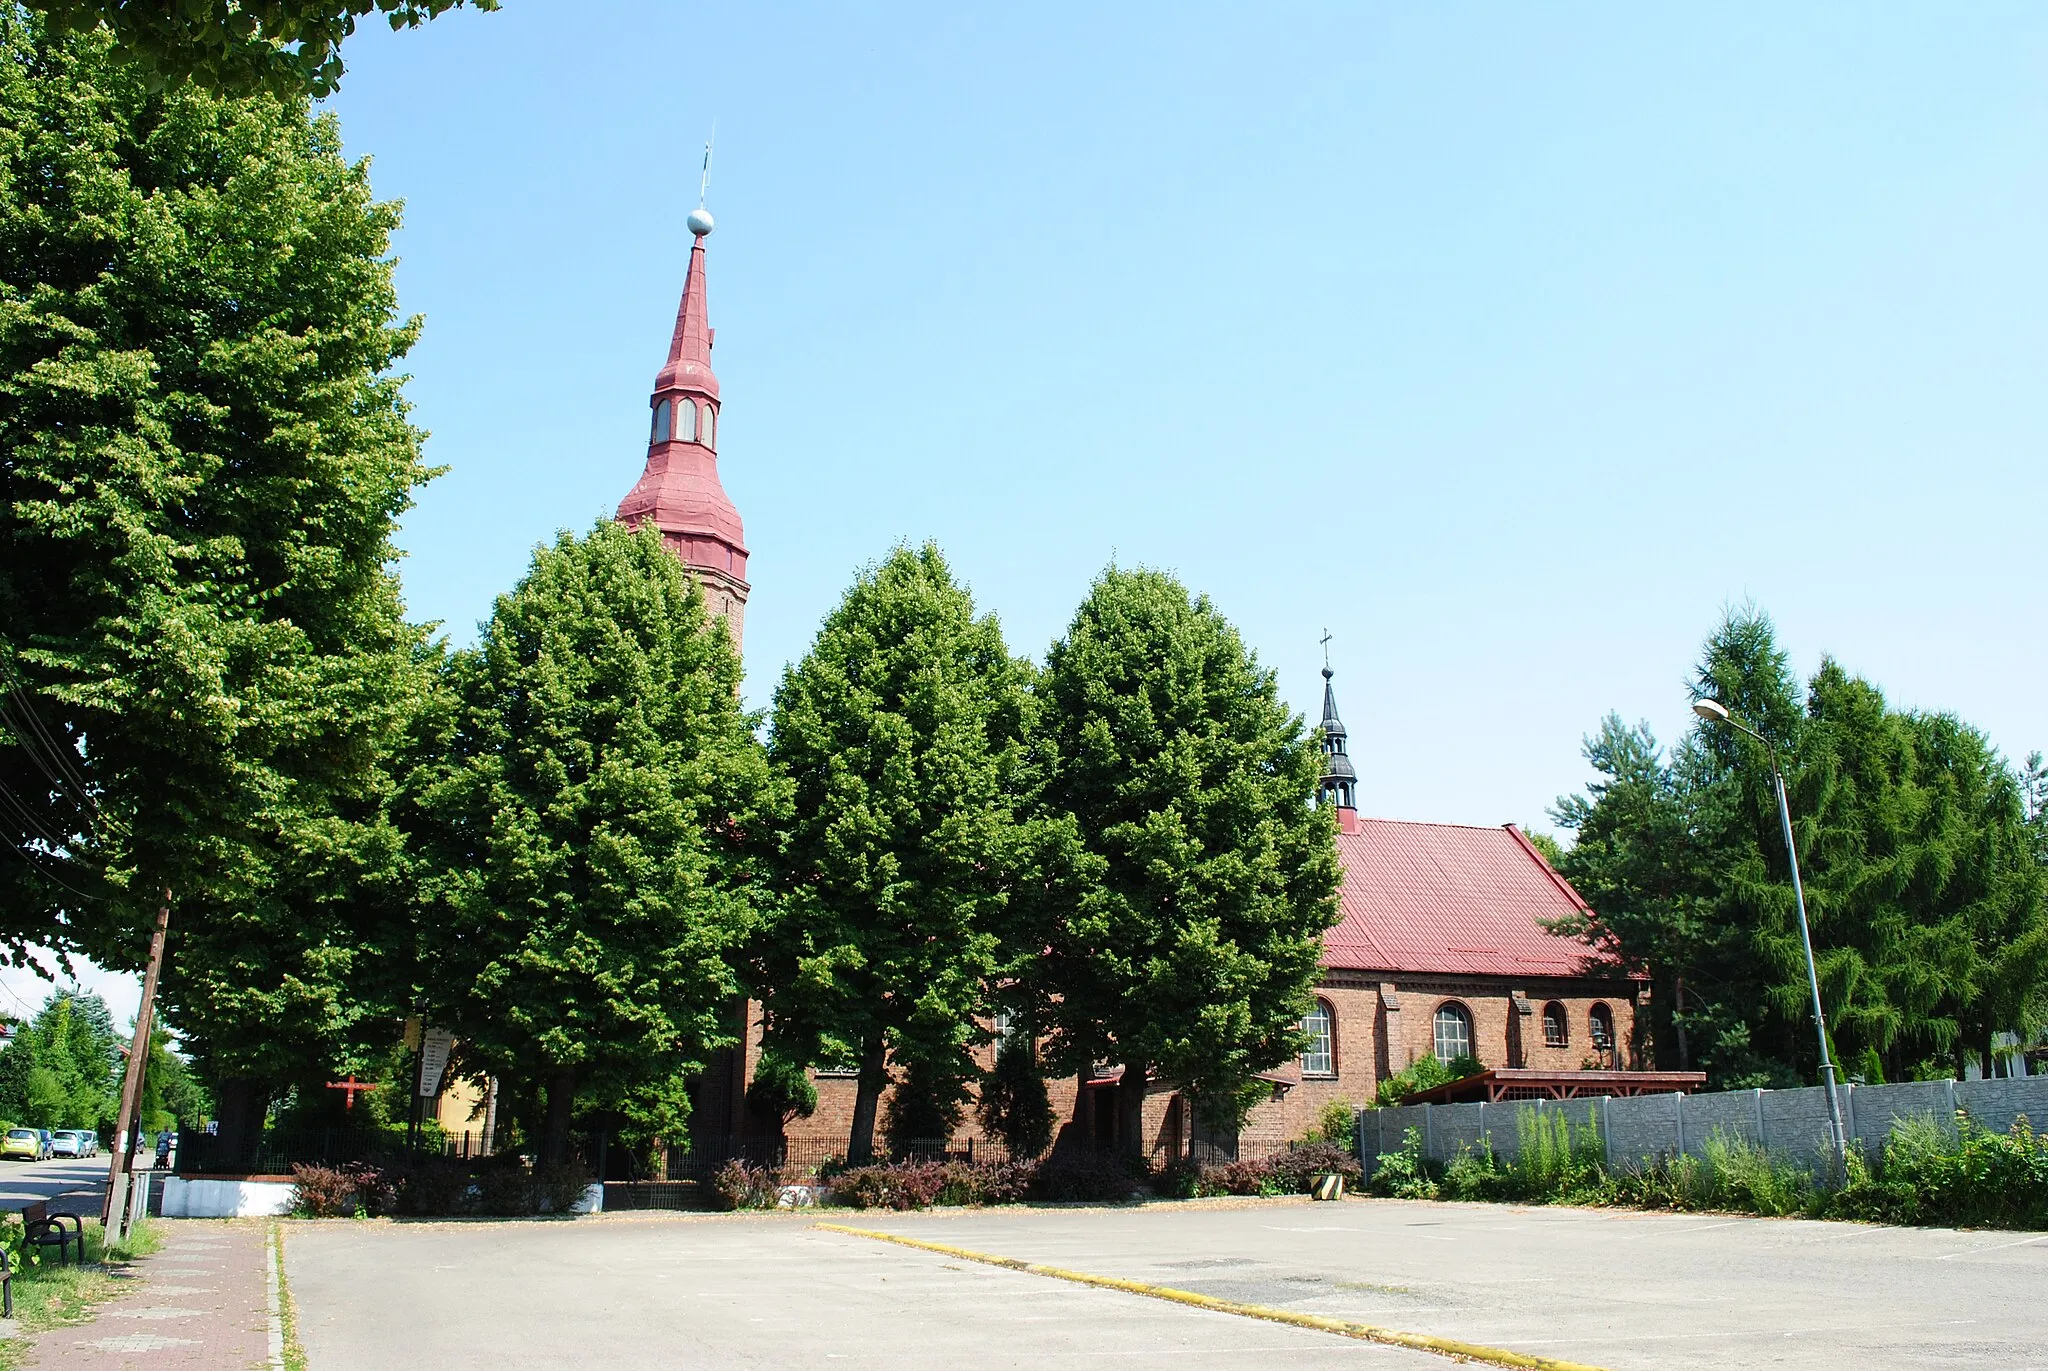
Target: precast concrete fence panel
<point>1790,1123</point>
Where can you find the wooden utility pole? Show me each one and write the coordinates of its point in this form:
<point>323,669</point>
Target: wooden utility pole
<point>113,1209</point>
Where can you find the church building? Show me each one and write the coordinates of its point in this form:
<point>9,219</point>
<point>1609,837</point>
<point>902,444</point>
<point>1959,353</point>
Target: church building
<point>1442,947</point>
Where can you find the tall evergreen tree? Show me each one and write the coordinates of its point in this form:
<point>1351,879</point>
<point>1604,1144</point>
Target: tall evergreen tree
<point>1183,925</point>
<point>901,737</point>
<point>592,821</point>
<point>1923,889</point>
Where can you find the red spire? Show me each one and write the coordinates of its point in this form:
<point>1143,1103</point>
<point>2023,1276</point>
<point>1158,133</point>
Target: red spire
<point>689,352</point>
<point>680,490</point>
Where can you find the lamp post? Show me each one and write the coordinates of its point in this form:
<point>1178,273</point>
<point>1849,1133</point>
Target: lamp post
<point>1714,712</point>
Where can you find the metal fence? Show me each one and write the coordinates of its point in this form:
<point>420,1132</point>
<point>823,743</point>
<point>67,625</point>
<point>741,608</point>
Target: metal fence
<point>803,1157</point>
<point>275,1151</point>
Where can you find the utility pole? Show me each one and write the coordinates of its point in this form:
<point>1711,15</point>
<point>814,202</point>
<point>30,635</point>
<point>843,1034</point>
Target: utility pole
<point>114,1209</point>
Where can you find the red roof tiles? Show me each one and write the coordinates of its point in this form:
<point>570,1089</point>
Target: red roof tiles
<point>1452,900</point>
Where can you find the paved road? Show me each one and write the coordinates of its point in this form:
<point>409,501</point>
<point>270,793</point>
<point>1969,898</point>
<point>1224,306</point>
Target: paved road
<point>84,1183</point>
<point>1614,1289</point>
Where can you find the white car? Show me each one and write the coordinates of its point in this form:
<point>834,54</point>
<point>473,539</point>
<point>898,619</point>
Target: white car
<point>68,1142</point>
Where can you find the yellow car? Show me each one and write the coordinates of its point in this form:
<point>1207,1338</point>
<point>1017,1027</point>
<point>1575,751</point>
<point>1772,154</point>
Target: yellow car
<point>22,1142</point>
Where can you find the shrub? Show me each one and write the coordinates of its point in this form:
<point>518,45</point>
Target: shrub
<point>1337,1123</point>
<point>1249,1177</point>
<point>1972,1176</point>
<point>1085,1177</point>
<point>1294,1171</point>
<point>743,1185</point>
<point>339,1192</point>
<point>1556,1160</point>
<point>1179,1179</point>
<point>1014,1104</point>
<point>1425,1073</point>
<point>1407,1174</point>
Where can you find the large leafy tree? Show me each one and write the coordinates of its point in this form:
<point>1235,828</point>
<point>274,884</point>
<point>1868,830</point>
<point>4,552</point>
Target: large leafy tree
<point>291,47</point>
<point>593,820</point>
<point>1183,925</point>
<point>901,736</point>
<point>203,453</point>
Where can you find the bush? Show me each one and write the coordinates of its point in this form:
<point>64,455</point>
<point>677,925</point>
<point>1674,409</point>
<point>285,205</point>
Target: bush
<point>1294,1171</point>
<point>743,1185</point>
<point>1087,1177</point>
<point>353,1190</point>
<point>1337,1123</point>
<point>1971,1176</point>
<point>919,1185</point>
<point>1240,1178</point>
<point>1425,1073</point>
<point>1407,1174</point>
<point>1014,1104</point>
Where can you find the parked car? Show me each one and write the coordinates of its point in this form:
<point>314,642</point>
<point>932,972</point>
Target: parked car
<point>46,1140</point>
<point>25,1143</point>
<point>92,1141</point>
<point>67,1142</point>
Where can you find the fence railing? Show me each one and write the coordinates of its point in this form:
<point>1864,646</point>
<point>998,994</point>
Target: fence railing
<point>1791,1123</point>
<point>276,1151</point>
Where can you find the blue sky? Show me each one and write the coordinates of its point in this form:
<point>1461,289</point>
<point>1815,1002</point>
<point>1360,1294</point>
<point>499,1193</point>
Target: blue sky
<point>1509,343</point>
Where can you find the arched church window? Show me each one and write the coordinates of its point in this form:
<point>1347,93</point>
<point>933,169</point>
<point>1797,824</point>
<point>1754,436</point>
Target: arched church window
<point>710,423</point>
<point>1556,1032</point>
<point>661,422</point>
<point>1602,1032</point>
<point>1453,1032</point>
<point>686,421</point>
<point>1319,1058</point>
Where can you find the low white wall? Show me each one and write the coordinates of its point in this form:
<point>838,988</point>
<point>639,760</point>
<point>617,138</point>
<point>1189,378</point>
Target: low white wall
<point>225,1199</point>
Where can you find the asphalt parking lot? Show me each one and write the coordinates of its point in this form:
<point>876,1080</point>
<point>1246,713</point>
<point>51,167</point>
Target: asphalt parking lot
<point>1612,1289</point>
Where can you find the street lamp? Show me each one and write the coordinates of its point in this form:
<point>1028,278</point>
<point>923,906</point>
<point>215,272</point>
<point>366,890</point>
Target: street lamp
<point>1714,712</point>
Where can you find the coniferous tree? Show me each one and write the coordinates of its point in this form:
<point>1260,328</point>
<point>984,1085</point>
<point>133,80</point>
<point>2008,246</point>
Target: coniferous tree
<point>1183,923</point>
<point>1924,891</point>
<point>901,737</point>
<point>592,822</point>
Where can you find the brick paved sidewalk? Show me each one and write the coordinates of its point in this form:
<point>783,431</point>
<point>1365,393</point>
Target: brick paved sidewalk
<point>201,1302</point>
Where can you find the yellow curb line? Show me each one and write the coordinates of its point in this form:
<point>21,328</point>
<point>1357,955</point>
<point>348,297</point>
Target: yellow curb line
<point>1421,1342</point>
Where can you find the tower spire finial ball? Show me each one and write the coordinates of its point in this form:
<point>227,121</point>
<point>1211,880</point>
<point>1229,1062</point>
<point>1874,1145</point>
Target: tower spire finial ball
<point>700,221</point>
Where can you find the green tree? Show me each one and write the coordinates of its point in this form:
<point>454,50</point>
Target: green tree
<point>592,821</point>
<point>901,737</point>
<point>1923,889</point>
<point>203,453</point>
<point>61,1069</point>
<point>291,47</point>
<point>1183,923</point>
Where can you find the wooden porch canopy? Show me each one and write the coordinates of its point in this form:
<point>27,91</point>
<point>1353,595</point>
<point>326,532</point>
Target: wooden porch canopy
<point>1512,1083</point>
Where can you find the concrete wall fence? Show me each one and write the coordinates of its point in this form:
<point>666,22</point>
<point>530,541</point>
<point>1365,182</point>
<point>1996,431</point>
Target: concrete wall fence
<point>1790,1123</point>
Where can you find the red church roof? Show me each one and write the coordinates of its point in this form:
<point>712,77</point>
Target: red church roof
<point>1450,900</point>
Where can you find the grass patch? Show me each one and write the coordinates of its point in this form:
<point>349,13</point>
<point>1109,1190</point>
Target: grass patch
<point>51,1295</point>
<point>287,1312</point>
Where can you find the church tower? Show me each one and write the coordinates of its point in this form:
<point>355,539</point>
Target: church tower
<point>1340,779</point>
<point>680,492</point>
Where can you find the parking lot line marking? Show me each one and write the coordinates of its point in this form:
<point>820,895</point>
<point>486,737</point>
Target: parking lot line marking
<point>1365,1332</point>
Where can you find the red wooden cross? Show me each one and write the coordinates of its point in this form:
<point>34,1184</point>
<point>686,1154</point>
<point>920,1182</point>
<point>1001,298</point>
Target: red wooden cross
<point>352,1086</point>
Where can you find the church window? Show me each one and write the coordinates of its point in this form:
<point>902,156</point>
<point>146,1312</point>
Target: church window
<point>1602,1031</point>
<point>710,423</point>
<point>1556,1032</point>
<point>661,422</point>
<point>1319,1058</point>
<point>686,421</point>
<point>1453,1032</point>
